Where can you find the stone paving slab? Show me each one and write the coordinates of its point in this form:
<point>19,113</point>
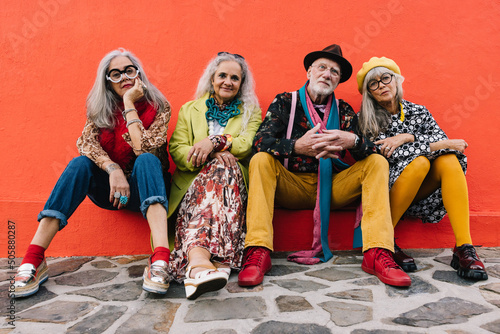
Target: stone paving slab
<point>449,310</point>
<point>347,314</point>
<point>154,317</point>
<point>98,322</point>
<point>104,295</point>
<point>58,312</point>
<point>66,266</point>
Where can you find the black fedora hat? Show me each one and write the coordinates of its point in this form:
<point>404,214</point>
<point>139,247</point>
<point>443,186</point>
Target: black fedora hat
<point>333,52</point>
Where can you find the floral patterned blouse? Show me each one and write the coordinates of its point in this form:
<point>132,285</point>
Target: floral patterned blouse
<point>271,135</point>
<point>419,122</point>
<point>153,140</point>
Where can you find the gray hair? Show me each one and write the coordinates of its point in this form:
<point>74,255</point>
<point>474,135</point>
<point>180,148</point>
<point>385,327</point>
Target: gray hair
<point>374,119</point>
<point>102,99</point>
<point>247,89</point>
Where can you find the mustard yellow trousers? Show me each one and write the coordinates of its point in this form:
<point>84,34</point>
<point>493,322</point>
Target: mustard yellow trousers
<point>270,182</point>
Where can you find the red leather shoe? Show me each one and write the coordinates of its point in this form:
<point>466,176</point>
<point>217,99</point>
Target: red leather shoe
<point>379,262</point>
<point>256,263</point>
<point>467,263</point>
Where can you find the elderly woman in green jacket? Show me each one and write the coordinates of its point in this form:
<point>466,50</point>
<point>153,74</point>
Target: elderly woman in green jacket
<point>211,146</point>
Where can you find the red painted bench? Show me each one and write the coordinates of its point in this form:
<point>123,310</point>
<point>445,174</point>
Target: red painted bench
<point>293,231</point>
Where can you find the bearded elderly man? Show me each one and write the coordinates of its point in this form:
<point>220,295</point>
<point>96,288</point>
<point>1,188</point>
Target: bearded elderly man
<point>301,163</point>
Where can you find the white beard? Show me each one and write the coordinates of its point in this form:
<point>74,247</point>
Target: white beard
<point>322,91</point>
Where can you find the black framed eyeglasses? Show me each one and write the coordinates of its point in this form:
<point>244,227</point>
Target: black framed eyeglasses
<point>222,53</point>
<point>116,76</point>
<point>386,79</point>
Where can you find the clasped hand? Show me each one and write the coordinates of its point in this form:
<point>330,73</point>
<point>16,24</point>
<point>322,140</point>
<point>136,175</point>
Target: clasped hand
<point>325,144</point>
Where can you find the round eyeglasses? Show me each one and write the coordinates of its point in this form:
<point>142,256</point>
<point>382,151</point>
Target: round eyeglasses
<point>386,79</point>
<point>131,72</point>
<point>322,68</point>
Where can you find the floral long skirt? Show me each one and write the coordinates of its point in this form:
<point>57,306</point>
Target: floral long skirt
<point>212,216</point>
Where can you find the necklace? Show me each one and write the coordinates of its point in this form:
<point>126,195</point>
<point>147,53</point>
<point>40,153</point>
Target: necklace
<point>402,117</point>
<point>221,114</point>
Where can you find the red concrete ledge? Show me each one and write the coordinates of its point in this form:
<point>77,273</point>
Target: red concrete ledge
<point>91,231</point>
<point>96,232</point>
<point>293,231</point>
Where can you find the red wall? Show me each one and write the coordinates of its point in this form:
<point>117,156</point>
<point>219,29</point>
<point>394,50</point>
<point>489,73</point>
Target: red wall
<point>447,50</point>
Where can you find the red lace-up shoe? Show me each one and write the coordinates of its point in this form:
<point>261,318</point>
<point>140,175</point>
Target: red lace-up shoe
<point>467,263</point>
<point>256,263</point>
<point>379,262</point>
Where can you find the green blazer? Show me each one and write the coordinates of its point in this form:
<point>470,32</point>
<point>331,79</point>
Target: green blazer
<point>192,127</point>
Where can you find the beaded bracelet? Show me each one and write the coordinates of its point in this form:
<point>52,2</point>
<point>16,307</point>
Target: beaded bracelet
<point>135,120</point>
<point>126,111</point>
<point>112,167</point>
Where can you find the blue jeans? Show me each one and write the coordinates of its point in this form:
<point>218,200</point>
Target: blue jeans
<point>83,178</point>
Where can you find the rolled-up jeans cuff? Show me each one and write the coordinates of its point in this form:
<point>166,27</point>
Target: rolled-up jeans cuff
<point>153,200</point>
<point>63,221</point>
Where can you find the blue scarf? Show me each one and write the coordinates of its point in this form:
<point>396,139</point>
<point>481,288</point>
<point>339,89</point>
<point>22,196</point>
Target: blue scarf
<point>325,173</point>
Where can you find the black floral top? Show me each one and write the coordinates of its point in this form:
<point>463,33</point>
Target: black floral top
<point>271,135</point>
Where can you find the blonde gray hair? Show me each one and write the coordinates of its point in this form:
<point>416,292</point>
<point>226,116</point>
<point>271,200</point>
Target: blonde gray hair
<point>247,88</point>
<point>102,100</point>
<point>374,119</point>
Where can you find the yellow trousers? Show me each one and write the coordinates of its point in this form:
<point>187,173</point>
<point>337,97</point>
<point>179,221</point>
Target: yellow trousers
<point>270,182</point>
<point>421,178</point>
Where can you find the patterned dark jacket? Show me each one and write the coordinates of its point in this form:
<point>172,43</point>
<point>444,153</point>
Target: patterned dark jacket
<point>419,122</point>
<point>271,136</point>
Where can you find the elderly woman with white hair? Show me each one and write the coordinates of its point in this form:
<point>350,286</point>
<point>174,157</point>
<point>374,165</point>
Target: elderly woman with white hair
<point>123,165</point>
<point>426,168</point>
<point>211,146</point>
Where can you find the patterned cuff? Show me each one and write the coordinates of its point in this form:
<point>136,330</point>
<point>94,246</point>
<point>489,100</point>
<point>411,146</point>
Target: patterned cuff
<point>218,141</point>
<point>229,142</point>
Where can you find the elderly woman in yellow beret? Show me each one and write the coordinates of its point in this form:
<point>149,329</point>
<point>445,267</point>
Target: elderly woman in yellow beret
<point>427,169</point>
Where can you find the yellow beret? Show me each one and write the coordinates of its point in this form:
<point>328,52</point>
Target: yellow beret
<point>372,63</point>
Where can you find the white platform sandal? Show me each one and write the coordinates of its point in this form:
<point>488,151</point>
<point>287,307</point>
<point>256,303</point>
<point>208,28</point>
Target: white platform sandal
<point>219,268</point>
<point>205,281</point>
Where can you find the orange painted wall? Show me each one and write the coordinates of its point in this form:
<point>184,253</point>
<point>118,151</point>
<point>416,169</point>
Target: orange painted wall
<point>49,51</point>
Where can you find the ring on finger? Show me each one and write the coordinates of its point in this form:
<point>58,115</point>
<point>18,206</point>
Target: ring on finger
<point>195,154</point>
<point>123,200</point>
<point>117,194</point>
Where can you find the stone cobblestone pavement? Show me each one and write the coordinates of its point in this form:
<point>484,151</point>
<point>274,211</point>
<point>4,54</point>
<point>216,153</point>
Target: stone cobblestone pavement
<point>104,295</point>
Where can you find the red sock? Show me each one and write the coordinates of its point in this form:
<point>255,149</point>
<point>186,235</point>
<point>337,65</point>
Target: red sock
<point>161,253</point>
<point>34,255</point>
